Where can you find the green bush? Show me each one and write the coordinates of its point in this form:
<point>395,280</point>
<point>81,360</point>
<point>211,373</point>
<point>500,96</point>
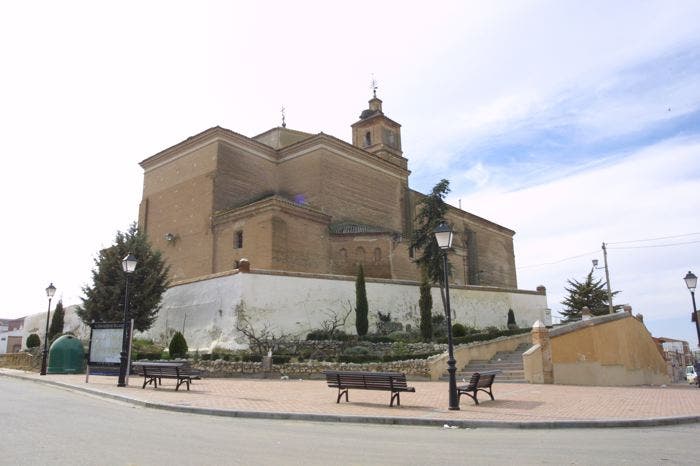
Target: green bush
<point>459,330</point>
<point>139,355</point>
<point>324,335</point>
<point>33,341</point>
<point>281,358</point>
<point>484,336</point>
<point>251,357</point>
<point>178,346</point>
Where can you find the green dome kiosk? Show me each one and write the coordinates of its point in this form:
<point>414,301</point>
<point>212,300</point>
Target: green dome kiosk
<point>66,356</point>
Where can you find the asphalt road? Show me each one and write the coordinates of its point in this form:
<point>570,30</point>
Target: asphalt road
<point>49,425</point>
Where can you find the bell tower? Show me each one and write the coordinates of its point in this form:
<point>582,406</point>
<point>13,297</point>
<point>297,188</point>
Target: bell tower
<point>378,134</point>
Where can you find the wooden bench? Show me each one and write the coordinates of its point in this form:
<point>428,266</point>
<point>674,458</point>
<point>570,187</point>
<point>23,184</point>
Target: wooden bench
<point>154,372</point>
<point>394,382</point>
<point>480,381</point>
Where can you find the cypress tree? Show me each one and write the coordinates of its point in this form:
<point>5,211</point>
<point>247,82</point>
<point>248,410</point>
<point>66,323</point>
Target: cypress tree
<point>57,321</point>
<point>425,304</point>
<point>361,305</point>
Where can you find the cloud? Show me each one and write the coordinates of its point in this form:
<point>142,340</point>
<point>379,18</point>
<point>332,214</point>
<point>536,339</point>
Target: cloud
<point>561,224</point>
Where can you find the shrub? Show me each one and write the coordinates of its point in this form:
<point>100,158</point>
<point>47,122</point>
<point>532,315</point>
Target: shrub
<point>324,335</point>
<point>178,346</point>
<point>33,341</point>
<point>459,330</point>
<point>281,358</point>
<point>439,326</point>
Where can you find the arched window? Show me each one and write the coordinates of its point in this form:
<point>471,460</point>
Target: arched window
<point>368,139</point>
<point>238,240</point>
<point>360,255</point>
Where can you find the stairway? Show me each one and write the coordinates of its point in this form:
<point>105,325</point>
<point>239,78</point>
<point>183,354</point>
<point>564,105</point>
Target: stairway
<point>510,363</point>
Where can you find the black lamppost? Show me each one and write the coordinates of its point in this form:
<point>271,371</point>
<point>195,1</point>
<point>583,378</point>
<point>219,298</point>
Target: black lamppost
<point>691,281</point>
<point>50,291</point>
<point>443,236</point>
<point>128,266</point>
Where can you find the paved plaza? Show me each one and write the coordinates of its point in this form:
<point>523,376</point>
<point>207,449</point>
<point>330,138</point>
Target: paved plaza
<point>516,405</point>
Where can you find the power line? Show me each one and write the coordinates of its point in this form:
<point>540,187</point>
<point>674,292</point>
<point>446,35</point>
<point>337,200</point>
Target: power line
<point>622,247</point>
<point>558,261</point>
<point>655,245</point>
<point>655,239</point>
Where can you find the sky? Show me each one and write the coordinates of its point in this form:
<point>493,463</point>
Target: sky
<point>572,123</point>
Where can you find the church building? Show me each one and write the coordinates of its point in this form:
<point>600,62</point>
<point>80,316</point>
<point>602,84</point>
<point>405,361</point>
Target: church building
<point>290,201</point>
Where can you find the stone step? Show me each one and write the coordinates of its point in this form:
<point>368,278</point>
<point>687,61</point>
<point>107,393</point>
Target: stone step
<point>492,367</point>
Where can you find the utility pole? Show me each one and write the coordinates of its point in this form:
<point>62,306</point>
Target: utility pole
<point>607,280</point>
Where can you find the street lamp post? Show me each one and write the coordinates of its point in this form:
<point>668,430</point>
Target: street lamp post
<point>443,236</point>
<point>691,281</point>
<point>50,291</point>
<point>128,266</point>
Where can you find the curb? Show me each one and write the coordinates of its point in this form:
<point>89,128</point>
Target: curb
<point>383,420</point>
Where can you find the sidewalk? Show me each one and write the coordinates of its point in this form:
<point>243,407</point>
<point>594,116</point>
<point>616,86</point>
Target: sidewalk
<point>516,405</point>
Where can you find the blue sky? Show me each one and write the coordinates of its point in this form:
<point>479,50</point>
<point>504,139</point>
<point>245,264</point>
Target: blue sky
<point>572,123</point>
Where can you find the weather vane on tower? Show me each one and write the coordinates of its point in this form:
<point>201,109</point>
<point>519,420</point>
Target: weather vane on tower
<point>374,86</point>
<point>284,123</point>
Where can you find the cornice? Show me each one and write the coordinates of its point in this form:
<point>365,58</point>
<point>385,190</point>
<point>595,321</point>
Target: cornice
<point>475,218</point>
<point>273,203</point>
<point>342,148</point>
<point>205,138</point>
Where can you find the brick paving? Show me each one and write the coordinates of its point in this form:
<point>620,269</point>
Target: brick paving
<point>517,403</point>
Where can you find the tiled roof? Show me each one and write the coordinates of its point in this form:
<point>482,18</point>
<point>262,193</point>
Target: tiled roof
<point>347,228</point>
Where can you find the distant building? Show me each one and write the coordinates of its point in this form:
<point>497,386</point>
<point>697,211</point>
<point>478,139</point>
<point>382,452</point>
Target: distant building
<point>677,355</point>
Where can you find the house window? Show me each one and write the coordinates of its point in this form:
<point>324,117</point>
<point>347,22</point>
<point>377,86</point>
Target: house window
<point>238,240</point>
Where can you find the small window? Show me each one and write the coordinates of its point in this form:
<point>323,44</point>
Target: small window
<point>368,139</point>
<point>238,240</point>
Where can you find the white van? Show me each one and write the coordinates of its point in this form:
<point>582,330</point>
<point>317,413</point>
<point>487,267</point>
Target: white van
<point>690,375</point>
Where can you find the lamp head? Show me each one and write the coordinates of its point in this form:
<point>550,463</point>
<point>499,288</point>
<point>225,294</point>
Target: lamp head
<point>443,235</point>
<point>595,262</point>
<point>691,281</point>
<point>50,290</point>
<point>129,263</point>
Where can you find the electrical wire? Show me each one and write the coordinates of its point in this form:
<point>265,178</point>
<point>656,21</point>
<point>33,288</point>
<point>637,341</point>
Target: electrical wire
<point>656,245</point>
<point>655,239</point>
<point>622,247</point>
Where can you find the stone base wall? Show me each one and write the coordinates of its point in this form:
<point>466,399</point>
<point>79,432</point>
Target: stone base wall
<point>208,310</point>
<point>415,369</point>
<point>21,361</point>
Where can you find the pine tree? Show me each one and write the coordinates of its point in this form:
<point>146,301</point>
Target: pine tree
<point>361,305</point>
<point>425,304</point>
<point>591,293</point>
<point>57,321</point>
<point>104,300</point>
<point>432,211</point>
